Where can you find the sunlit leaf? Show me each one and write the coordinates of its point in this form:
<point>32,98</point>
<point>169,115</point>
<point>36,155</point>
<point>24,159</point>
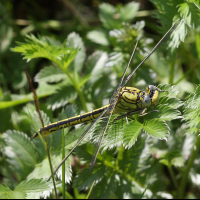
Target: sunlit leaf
<point>98,37</point>
<point>75,41</point>
<point>44,47</point>
<point>157,129</point>
<point>50,74</point>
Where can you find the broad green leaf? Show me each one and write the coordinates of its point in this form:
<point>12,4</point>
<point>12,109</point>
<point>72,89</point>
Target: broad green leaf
<point>157,129</point>
<point>171,102</point>
<point>33,185</point>
<point>84,182</point>
<point>42,169</point>
<point>113,18</point>
<point>95,65</point>
<point>172,91</point>
<point>20,152</point>
<point>131,158</point>
<point>7,193</point>
<point>196,2</point>
<point>129,11</point>
<point>32,188</point>
<point>166,113</point>
<point>75,41</point>
<point>131,132</point>
<point>64,95</point>
<point>50,74</point>
<point>110,181</point>
<point>99,37</point>
<point>106,15</point>
<point>37,124</point>
<point>191,111</point>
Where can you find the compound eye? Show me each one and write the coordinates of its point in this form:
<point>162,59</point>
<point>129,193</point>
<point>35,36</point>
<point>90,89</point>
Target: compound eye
<point>152,87</point>
<point>147,101</point>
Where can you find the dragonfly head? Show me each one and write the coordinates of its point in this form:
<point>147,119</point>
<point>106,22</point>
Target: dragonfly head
<point>152,93</point>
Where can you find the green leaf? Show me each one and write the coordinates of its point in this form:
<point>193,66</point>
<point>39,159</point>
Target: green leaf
<point>112,17</point>
<point>75,41</point>
<point>37,124</point>
<point>99,37</point>
<point>44,47</point>
<point>163,8</point>
<point>95,65</point>
<point>32,188</point>
<point>196,2</point>
<point>42,169</point>
<point>190,13</point>
<point>191,112</point>
<point>50,74</point>
<point>129,11</point>
<point>83,182</point>
<point>7,193</point>
<point>173,158</point>
<point>21,153</point>
<point>131,132</point>
<point>166,113</point>
<point>157,129</point>
<point>64,95</point>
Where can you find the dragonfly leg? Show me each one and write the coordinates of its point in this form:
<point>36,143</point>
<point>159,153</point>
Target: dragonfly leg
<point>127,119</point>
<point>143,113</point>
<point>128,114</point>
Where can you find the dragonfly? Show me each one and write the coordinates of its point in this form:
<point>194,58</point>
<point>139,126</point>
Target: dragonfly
<point>125,101</point>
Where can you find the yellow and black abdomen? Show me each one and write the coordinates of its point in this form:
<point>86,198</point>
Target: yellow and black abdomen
<point>70,122</point>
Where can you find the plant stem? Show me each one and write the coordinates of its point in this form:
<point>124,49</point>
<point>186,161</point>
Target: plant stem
<point>188,167</point>
<point>88,195</point>
<point>173,177</point>
<point>171,72</point>
<point>50,163</point>
<point>76,88</point>
<point>63,166</point>
<point>186,74</point>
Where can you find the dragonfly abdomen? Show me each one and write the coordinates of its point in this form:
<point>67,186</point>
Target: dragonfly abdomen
<point>70,122</point>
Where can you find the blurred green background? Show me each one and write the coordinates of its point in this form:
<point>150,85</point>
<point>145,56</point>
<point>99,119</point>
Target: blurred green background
<point>104,33</point>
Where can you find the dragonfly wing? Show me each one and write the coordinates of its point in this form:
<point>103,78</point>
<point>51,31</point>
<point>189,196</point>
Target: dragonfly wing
<point>104,128</point>
<point>117,88</point>
<point>113,101</point>
<point>169,32</point>
<point>80,139</point>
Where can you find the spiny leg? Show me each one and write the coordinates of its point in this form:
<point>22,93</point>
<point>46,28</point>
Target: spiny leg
<point>129,114</point>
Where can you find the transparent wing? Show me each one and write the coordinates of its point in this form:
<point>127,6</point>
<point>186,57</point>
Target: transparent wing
<point>121,83</point>
<point>117,88</point>
<point>169,32</point>
<point>80,139</point>
<point>109,112</point>
<point>102,133</point>
<point>113,101</point>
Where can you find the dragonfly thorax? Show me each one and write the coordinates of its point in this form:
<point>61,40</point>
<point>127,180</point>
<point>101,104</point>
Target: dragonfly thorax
<point>133,99</point>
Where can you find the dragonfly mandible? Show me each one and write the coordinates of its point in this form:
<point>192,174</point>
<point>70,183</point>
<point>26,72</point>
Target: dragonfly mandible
<point>124,100</point>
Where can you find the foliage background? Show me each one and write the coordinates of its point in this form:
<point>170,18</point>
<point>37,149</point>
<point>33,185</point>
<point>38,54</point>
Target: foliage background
<point>102,35</point>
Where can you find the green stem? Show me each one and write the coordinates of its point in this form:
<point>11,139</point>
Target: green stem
<point>173,177</point>
<point>185,74</point>
<point>76,88</point>
<point>188,167</point>
<point>51,168</point>
<point>171,72</point>
<point>88,195</point>
<point>63,166</point>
